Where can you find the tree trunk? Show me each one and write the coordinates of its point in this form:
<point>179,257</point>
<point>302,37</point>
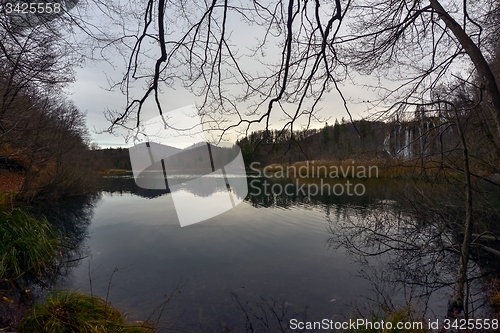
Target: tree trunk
<point>484,71</point>
<point>456,305</point>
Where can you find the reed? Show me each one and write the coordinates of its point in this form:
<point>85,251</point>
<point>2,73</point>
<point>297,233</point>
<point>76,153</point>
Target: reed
<point>377,168</point>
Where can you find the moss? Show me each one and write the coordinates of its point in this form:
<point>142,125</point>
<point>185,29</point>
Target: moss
<point>66,312</point>
<point>6,198</point>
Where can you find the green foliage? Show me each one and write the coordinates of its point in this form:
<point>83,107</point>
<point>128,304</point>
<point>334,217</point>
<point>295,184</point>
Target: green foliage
<point>336,131</point>
<point>68,312</point>
<point>325,135</point>
<point>28,246</point>
<point>6,198</point>
<point>363,130</point>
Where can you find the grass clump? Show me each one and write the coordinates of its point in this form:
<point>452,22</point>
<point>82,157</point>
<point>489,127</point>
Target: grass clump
<point>6,198</point>
<point>29,247</point>
<point>68,312</point>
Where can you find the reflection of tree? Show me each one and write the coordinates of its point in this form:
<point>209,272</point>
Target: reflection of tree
<point>71,218</point>
<point>261,193</point>
<point>417,252</point>
<point>120,185</point>
<point>266,315</point>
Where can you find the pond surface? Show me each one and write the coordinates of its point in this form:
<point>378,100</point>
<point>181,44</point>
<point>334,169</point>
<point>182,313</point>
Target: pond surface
<point>272,250</point>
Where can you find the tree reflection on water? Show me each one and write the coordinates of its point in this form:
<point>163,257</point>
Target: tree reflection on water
<point>409,254</point>
<point>71,218</point>
<point>407,243</point>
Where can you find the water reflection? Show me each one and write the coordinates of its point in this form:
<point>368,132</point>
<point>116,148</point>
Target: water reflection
<point>408,247</point>
<point>263,192</point>
<point>204,187</point>
<point>71,218</point>
<point>409,255</point>
<point>323,252</point>
<point>256,254</point>
<point>287,193</point>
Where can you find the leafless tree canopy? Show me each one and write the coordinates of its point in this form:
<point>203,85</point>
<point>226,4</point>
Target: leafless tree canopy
<point>248,60</point>
<point>209,48</point>
<point>424,47</point>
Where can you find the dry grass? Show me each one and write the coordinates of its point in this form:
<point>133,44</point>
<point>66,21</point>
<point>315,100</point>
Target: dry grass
<point>380,168</point>
<point>113,172</point>
<point>10,182</point>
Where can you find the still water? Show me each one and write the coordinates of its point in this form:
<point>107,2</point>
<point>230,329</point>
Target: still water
<point>270,253</point>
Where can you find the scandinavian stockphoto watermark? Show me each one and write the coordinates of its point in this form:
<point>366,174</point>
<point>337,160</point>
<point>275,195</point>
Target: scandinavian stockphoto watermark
<point>172,155</point>
<point>349,176</point>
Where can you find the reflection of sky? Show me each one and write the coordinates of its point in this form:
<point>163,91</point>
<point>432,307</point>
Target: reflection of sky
<point>252,252</point>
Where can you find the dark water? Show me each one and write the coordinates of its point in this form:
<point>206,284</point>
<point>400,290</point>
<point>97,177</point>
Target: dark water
<point>268,252</point>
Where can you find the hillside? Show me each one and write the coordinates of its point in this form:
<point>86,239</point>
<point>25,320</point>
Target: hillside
<point>360,139</point>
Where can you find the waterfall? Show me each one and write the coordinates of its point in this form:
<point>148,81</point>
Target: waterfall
<point>427,138</point>
<point>410,143</point>
<point>403,137</point>
<point>397,139</point>
<point>407,144</point>
<point>417,138</point>
<point>421,139</point>
<point>387,143</point>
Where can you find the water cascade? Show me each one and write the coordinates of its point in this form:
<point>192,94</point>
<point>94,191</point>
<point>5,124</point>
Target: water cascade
<point>407,140</point>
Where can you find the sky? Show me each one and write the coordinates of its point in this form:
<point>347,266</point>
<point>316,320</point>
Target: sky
<point>90,93</point>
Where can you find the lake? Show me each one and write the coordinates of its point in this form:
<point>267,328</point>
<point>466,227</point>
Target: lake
<point>273,254</point>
